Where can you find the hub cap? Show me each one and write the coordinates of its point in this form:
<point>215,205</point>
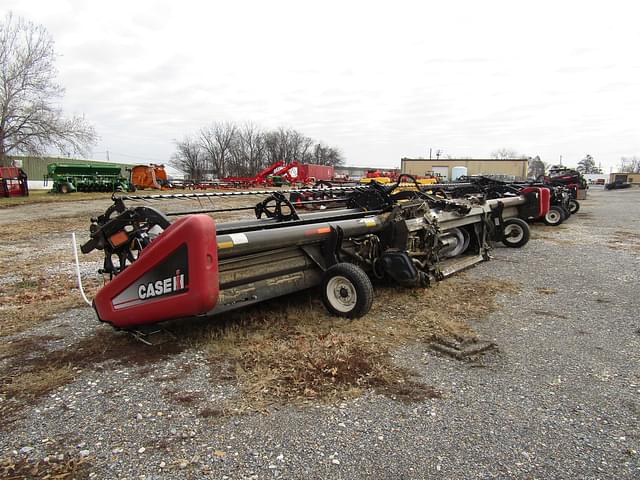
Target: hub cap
<point>341,294</point>
<point>513,233</point>
<point>553,216</point>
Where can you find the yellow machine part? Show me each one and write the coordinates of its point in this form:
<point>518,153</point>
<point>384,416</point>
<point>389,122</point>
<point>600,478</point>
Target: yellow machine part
<point>386,180</point>
<point>380,180</point>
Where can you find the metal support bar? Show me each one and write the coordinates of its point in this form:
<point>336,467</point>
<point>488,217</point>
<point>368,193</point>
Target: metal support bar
<point>247,193</point>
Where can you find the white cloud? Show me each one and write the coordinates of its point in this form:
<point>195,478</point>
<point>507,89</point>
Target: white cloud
<point>381,80</point>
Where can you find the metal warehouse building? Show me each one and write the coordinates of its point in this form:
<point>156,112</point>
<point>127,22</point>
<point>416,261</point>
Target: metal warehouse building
<point>633,178</point>
<point>515,167</point>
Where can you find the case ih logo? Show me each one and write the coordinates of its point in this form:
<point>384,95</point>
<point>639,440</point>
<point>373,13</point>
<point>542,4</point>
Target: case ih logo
<point>169,277</point>
<point>162,287</point>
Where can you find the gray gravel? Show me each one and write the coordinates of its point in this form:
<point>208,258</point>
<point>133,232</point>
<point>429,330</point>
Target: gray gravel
<point>560,400</point>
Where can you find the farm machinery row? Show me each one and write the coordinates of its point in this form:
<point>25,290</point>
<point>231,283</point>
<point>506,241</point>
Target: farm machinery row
<point>560,197</point>
<point>104,177</point>
<point>303,174</point>
<point>168,265</point>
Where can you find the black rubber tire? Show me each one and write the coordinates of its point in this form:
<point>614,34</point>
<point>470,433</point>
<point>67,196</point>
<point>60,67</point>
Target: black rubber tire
<point>565,212</point>
<point>554,217</point>
<point>574,206</point>
<point>522,227</point>
<point>360,284</point>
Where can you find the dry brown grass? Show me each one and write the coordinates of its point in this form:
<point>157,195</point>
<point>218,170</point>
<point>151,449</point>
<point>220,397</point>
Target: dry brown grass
<point>546,291</point>
<point>36,383</point>
<point>32,259</point>
<point>43,197</point>
<point>37,298</point>
<point>280,352</point>
<point>625,240</point>
<point>70,467</point>
<point>34,231</point>
<point>297,352</point>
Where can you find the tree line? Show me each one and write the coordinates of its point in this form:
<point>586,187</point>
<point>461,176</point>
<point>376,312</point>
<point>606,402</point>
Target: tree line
<point>31,120</point>
<point>538,168</point>
<point>630,164</point>
<point>227,149</point>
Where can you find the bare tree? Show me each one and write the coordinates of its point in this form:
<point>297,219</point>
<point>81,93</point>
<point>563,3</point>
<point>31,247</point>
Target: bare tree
<point>30,120</point>
<point>249,150</point>
<point>276,145</point>
<point>505,153</point>
<point>326,155</point>
<point>287,145</point>
<point>217,142</point>
<point>536,167</point>
<point>630,164</point>
<point>588,165</point>
<point>189,158</point>
<point>300,146</point>
<point>226,149</point>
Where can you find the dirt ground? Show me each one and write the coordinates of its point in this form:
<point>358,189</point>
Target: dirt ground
<point>79,400</point>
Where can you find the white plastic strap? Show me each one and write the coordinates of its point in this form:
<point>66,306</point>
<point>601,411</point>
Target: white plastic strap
<point>75,254</point>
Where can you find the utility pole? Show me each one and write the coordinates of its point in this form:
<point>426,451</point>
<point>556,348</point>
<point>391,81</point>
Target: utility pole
<point>560,160</point>
<point>107,155</point>
<point>429,153</point>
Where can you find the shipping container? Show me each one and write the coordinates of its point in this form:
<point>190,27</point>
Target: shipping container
<point>318,172</point>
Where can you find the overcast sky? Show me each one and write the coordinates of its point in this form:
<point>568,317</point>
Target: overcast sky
<point>379,80</point>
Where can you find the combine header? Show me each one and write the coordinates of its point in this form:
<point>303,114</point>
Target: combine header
<point>162,270</point>
<point>560,201</point>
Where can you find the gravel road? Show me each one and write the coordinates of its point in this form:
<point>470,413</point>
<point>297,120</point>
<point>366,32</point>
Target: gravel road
<point>561,399</point>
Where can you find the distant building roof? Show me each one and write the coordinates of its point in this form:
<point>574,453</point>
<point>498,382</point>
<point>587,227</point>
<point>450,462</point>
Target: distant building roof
<point>443,159</point>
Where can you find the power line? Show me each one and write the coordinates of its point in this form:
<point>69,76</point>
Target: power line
<point>138,157</point>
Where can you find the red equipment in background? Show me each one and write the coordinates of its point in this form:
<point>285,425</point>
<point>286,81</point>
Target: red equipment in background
<point>309,172</point>
<point>544,199</point>
<point>293,172</point>
<point>392,174</point>
<point>13,182</point>
<point>259,179</point>
<point>289,173</point>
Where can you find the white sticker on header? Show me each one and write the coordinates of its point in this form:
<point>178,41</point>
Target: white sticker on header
<point>369,222</point>
<point>239,238</point>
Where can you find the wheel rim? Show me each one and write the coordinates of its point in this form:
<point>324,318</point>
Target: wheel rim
<point>341,294</point>
<point>572,207</point>
<point>553,216</point>
<point>513,233</point>
<point>462,238</point>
